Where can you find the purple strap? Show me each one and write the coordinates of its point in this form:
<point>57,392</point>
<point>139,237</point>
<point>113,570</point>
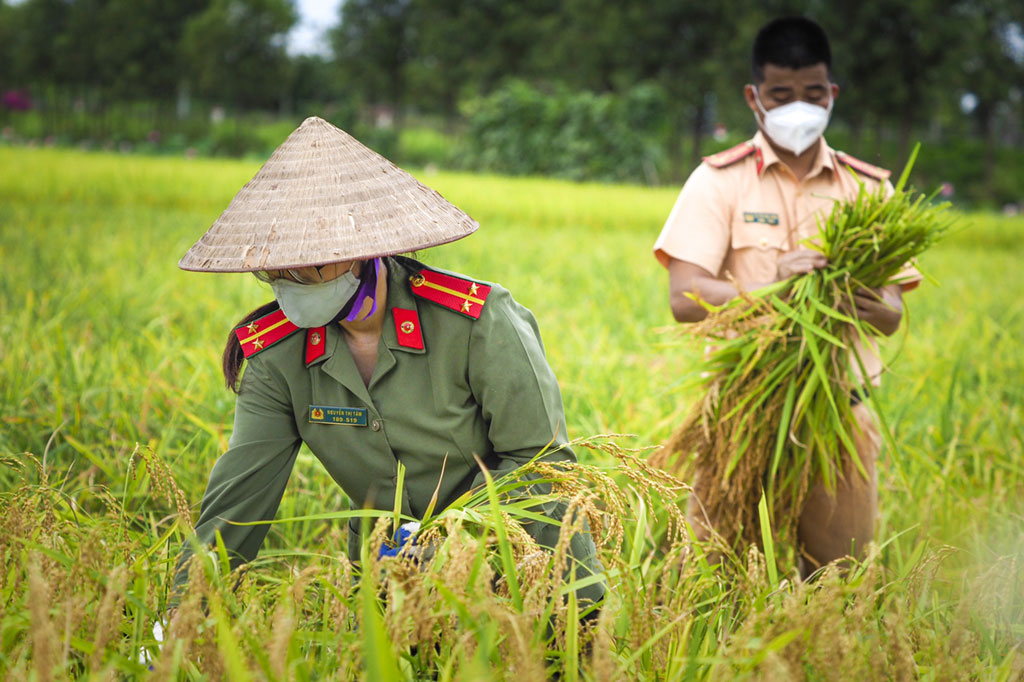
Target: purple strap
<point>367,290</point>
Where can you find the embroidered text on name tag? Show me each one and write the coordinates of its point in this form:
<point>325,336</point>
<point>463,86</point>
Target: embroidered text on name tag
<point>763,218</point>
<point>348,416</point>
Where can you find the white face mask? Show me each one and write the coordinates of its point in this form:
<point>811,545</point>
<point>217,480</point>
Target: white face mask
<point>795,126</point>
<point>314,305</point>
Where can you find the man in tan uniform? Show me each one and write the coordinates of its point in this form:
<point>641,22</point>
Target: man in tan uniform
<point>739,221</point>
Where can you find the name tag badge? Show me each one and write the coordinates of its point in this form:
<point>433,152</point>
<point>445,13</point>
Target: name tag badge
<point>345,416</point>
<point>762,218</point>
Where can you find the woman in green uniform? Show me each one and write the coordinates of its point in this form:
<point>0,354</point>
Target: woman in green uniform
<point>370,358</point>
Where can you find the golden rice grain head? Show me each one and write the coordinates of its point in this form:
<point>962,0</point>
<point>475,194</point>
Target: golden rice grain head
<point>108,617</point>
<point>45,642</point>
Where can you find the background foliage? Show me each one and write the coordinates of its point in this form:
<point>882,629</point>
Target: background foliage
<point>150,75</point>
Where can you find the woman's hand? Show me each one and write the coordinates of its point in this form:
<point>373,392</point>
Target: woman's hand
<point>145,658</point>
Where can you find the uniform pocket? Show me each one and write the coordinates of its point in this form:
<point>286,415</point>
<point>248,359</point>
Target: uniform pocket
<point>755,252</point>
<point>758,236</point>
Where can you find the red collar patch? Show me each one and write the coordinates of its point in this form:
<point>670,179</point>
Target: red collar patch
<point>316,343</point>
<point>407,328</point>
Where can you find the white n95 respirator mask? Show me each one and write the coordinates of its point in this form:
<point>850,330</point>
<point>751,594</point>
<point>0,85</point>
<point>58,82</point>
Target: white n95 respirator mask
<point>795,126</point>
<point>314,305</point>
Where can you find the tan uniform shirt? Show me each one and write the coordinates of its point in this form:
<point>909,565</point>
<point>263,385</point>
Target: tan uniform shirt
<point>736,220</point>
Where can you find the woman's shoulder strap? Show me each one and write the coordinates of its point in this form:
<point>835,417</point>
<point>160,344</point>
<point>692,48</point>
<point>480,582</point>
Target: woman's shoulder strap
<point>263,332</point>
<point>455,292</point>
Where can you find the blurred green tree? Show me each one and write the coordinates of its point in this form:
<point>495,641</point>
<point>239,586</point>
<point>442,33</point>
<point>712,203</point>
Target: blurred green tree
<point>691,50</point>
<point>124,49</point>
<point>428,54</point>
<point>30,31</point>
<point>140,55</point>
<point>460,49</point>
<point>235,52</point>
<point>372,48</point>
<point>889,56</point>
<point>315,84</point>
<point>987,63</point>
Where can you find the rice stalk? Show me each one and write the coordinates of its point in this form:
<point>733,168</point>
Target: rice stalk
<point>868,625</point>
<point>108,620</point>
<point>44,633</point>
<point>165,484</point>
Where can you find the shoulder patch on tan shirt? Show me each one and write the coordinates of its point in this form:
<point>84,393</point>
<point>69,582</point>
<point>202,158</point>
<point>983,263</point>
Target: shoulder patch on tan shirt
<point>731,155</point>
<point>863,167</point>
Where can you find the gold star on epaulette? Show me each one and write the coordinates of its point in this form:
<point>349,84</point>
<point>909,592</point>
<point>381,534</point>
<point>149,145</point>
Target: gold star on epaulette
<point>473,288</point>
<point>253,327</point>
<point>465,306</point>
<point>258,343</point>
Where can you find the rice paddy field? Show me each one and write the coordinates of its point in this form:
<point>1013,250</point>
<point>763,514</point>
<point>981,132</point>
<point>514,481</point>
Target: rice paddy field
<point>114,412</point>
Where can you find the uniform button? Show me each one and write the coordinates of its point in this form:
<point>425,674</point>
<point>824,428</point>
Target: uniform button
<point>375,425</point>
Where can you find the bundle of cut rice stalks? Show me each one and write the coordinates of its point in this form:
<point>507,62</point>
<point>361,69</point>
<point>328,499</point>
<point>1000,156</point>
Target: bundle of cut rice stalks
<point>783,365</point>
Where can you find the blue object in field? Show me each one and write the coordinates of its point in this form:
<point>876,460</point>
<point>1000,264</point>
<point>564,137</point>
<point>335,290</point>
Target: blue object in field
<point>402,537</point>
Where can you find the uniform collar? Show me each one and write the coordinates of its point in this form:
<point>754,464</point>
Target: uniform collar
<point>824,159</point>
<point>337,361</point>
<point>399,296</point>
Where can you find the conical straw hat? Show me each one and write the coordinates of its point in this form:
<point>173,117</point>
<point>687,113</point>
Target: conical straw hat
<point>324,197</point>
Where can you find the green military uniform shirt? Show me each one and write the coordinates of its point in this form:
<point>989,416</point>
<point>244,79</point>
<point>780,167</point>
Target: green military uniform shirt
<point>477,386</point>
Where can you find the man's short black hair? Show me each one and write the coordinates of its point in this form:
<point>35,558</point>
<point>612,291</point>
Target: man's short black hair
<point>790,42</point>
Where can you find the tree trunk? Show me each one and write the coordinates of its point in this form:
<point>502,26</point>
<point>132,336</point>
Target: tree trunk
<point>398,113</point>
<point>857,136</point>
<point>986,114</point>
<point>183,101</point>
<point>697,133</point>
<point>879,132</point>
<point>451,109</point>
<point>906,128</point>
<point>675,146</point>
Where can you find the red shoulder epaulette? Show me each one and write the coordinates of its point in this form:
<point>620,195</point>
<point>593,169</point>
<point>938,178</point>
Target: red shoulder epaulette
<point>863,167</point>
<point>263,333</point>
<point>455,293</point>
<point>731,155</point>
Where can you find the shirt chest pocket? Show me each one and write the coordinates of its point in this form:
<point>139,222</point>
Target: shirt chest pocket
<point>760,231</point>
<point>754,251</point>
